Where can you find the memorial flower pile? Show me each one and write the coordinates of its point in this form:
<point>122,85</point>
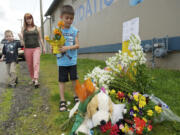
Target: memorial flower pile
<point>126,80</point>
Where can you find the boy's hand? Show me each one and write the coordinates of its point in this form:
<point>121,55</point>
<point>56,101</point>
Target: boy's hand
<point>64,48</point>
<point>51,49</point>
<point>1,60</point>
<point>44,51</point>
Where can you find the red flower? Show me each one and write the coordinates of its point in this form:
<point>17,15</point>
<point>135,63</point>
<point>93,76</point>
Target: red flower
<point>131,129</point>
<point>120,95</point>
<point>108,126</point>
<point>149,127</point>
<point>139,125</point>
<point>114,130</point>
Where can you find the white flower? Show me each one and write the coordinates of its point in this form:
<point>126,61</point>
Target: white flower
<point>68,103</point>
<point>100,77</point>
<point>116,63</point>
<point>124,59</point>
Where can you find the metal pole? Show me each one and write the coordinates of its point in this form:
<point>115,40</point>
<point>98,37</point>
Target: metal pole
<point>42,24</point>
<point>21,22</point>
<point>153,57</point>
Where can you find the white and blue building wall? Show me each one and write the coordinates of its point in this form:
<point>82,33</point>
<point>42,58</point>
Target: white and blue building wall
<point>100,25</point>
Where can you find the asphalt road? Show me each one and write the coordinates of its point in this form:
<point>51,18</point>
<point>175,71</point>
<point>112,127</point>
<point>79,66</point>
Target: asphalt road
<point>3,77</point>
<point>3,72</point>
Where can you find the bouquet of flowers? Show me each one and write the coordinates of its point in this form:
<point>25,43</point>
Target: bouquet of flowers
<point>58,40</point>
<point>141,111</point>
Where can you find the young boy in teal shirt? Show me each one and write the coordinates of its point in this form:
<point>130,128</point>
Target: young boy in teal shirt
<point>67,60</point>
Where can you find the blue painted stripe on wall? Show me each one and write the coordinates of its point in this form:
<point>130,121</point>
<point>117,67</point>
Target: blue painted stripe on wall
<point>101,48</point>
<point>174,45</point>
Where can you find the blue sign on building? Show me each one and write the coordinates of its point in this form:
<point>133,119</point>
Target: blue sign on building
<point>134,2</point>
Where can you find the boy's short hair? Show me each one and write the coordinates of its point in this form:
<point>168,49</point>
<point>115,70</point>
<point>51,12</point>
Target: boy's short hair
<point>67,9</point>
<point>8,31</point>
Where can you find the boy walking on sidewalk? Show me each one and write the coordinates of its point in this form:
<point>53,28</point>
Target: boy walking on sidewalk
<point>10,52</point>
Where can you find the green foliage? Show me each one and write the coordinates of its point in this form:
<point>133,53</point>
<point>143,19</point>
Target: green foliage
<point>57,37</point>
<point>121,83</point>
<point>143,79</point>
<point>137,78</point>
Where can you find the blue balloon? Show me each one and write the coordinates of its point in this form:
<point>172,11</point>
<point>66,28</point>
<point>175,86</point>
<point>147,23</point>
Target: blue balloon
<point>134,2</point>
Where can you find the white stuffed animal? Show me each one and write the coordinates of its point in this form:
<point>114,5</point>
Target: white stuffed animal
<point>99,111</point>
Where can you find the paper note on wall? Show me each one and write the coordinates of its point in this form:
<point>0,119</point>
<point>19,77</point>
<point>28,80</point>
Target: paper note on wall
<point>130,27</point>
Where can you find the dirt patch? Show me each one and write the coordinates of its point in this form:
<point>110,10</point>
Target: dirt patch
<point>22,101</point>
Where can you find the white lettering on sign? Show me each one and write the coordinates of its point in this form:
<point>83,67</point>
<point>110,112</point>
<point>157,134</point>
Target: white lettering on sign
<point>90,7</point>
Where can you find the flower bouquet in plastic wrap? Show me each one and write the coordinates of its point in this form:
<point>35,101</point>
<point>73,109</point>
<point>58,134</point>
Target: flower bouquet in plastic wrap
<point>58,40</point>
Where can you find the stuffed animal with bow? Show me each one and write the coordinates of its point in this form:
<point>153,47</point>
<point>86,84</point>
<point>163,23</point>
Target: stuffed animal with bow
<point>94,110</point>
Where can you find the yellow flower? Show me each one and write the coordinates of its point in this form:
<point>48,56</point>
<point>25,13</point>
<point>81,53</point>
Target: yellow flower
<point>112,92</point>
<point>142,104</point>
<point>119,66</point>
<point>158,109</point>
<point>61,24</point>
<point>134,115</point>
<point>136,97</point>
<point>150,113</point>
<point>129,94</point>
<point>125,129</point>
<point>108,69</point>
<point>144,119</point>
<point>135,108</point>
<point>142,98</point>
<point>47,38</point>
<point>56,31</point>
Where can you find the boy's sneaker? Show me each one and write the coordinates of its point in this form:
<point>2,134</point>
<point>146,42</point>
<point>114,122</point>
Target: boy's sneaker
<point>9,85</point>
<point>12,85</point>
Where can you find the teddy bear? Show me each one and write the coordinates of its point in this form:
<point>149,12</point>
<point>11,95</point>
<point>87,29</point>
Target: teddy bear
<point>100,110</point>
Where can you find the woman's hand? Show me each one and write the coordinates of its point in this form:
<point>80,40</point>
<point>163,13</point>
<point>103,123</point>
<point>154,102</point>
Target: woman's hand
<point>21,39</point>
<point>20,36</point>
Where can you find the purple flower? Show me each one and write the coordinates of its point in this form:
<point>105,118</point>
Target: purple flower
<point>131,112</point>
<point>135,93</point>
<point>103,89</point>
<point>140,113</point>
